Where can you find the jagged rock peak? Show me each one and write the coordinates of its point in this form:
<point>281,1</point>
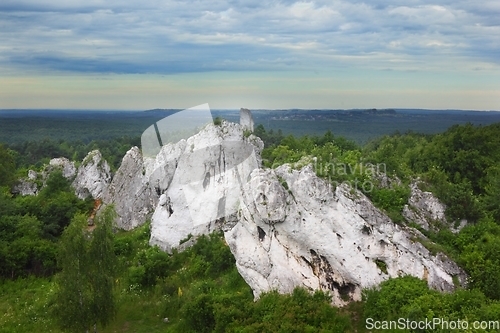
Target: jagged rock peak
<point>130,192</point>
<point>183,172</point>
<point>92,177</point>
<point>246,119</point>
<point>204,174</point>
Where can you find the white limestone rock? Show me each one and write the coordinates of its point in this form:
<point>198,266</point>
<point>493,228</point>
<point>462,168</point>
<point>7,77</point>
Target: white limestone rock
<point>246,119</point>
<point>161,169</point>
<point>324,238</point>
<point>67,167</point>
<point>424,208</point>
<point>130,192</point>
<point>92,177</point>
<point>25,187</point>
<point>203,189</point>
<point>32,175</point>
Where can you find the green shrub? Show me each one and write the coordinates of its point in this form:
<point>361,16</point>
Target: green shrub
<point>151,264</point>
<point>218,121</point>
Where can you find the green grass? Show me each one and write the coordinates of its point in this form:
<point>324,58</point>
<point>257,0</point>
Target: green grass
<point>25,306</point>
<point>198,290</point>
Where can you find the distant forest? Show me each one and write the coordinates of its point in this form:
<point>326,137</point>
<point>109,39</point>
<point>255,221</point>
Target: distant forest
<point>360,126</point>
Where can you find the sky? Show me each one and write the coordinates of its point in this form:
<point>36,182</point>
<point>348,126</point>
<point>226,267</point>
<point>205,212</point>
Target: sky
<point>144,54</point>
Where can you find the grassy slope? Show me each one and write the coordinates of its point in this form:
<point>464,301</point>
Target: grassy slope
<point>174,291</point>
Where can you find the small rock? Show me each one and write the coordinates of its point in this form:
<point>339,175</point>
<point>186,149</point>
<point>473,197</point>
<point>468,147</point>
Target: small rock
<point>246,119</point>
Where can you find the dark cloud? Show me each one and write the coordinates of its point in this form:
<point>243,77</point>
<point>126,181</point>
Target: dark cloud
<point>153,36</point>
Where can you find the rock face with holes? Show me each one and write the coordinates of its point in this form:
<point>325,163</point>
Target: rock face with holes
<point>92,177</point>
<point>294,230</point>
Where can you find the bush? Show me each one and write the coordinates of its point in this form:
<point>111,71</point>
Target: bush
<point>151,264</point>
<point>394,294</point>
<point>199,314</point>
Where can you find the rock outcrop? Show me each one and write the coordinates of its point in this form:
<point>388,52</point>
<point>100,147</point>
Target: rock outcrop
<point>92,177</point>
<point>25,187</point>
<point>67,167</point>
<point>199,182</point>
<point>295,230</point>
<point>30,185</point>
<point>287,228</point>
<point>130,192</point>
<point>246,119</point>
<point>423,208</point>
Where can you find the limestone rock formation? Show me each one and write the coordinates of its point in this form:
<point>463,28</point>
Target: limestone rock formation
<point>424,208</point>
<point>295,230</point>
<point>68,167</point>
<point>130,192</point>
<point>202,180</point>
<point>25,187</point>
<point>246,119</point>
<point>286,227</point>
<point>29,186</point>
<point>92,177</point>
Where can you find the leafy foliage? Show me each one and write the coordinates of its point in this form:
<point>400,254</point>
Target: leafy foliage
<point>55,205</point>
<point>7,167</point>
<point>409,298</point>
<point>84,294</point>
<point>461,165</point>
<point>479,251</point>
<point>33,154</point>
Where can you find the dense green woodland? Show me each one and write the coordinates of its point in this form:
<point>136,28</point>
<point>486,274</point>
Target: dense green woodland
<point>45,244</point>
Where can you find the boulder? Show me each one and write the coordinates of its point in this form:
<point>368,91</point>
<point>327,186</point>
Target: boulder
<point>424,209</point>
<point>92,177</point>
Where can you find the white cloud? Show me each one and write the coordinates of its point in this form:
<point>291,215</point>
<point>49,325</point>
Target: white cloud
<point>174,36</point>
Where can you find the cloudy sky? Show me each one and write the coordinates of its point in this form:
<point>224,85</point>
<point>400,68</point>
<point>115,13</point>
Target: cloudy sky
<point>142,54</point>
